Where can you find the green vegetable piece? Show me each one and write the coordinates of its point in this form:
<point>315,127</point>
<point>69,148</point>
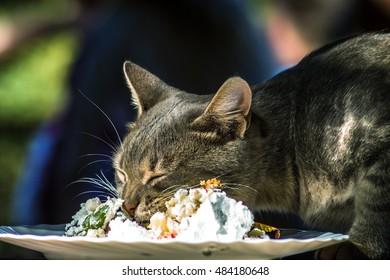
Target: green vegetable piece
<point>96,219</point>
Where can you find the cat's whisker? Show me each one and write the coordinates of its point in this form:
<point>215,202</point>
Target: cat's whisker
<point>239,187</point>
<point>168,194</point>
<point>193,186</point>
<point>100,183</point>
<point>93,162</point>
<point>101,194</point>
<point>157,202</point>
<point>109,184</point>
<point>98,155</point>
<point>112,124</point>
<point>104,141</point>
<point>223,174</point>
<point>110,140</point>
<point>164,196</point>
<point>174,187</point>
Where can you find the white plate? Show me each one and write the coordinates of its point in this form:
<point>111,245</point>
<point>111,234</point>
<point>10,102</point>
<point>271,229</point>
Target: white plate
<point>48,240</point>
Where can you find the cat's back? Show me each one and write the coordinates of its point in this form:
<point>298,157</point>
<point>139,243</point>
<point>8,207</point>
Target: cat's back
<point>348,76</point>
<point>370,49</point>
<point>350,62</point>
<point>341,97</point>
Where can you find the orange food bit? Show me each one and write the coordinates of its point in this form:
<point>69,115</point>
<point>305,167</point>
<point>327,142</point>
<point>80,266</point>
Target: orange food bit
<point>211,184</point>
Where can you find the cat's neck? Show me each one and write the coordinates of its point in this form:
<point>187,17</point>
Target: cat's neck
<point>272,168</point>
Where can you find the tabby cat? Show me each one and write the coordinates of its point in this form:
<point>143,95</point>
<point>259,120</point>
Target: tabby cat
<point>313,140</point>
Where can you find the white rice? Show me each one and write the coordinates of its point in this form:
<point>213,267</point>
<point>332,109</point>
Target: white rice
<point>197,214</point>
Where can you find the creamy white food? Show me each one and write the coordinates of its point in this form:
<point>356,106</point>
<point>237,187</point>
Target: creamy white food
<point>198,214</point>
<point>202,214</point>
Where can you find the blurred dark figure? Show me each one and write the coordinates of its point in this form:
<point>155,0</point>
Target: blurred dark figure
<point>297,27</point>
<point>191,44</point>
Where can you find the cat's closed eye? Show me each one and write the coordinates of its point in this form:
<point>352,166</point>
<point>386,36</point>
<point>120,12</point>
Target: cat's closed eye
<point>121,175</point>
<point>154,179</point>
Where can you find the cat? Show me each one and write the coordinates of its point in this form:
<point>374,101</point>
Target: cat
<point>313,140</point>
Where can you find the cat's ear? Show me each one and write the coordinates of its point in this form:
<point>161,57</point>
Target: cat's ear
<point>229,111</point>
<point>146,89</point>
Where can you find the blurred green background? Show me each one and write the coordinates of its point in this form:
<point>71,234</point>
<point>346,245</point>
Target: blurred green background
<point>39,41</point>
<point>33,75</point>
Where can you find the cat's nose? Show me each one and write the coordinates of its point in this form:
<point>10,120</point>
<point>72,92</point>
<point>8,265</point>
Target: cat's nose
<point>129,208</point>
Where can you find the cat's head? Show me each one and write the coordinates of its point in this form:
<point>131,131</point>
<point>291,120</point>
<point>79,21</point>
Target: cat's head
<point>178,139</point>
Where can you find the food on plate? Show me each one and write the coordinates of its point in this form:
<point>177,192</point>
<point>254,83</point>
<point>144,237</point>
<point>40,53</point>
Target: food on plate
<point>200,214</point>
<point>93,217</point>
<point>204,213</point>
<point>258,228</point>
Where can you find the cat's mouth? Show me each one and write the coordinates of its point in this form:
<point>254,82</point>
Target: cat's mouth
<point>141,213</point>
